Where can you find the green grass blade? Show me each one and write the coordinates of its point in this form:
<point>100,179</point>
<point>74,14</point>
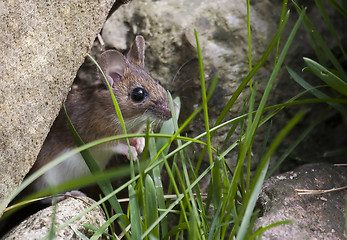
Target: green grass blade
<point>244,83</point>
<point>338,152</point>
<point>204,98</point>
<point>160,198</point>
<point>253,72</point>
<point>94,229</point>
<point>104,226</point>
<point>260,175</point>
<point>318,41</point>
<point>176,230</point>
<point>283,13</point>
<point>316,92</point>
<point>135,215</point>
<point>250,133</point>
<point>216,178</point>
<point>193,232</point>
<point>261,230</point>
<point>340,8</point>
<point>326,76</point>
<point>214,225</point>
<point>152,207</point>
<point>52,228</point>
<point>249,43</point>
<point>179,198</point>
<point>118,111</point>
<point>295,144</point>
<point>327,20</point>
<point>249,123</point>
<point>168,127</point>
<point>79,234</point>
<point>105,186</point>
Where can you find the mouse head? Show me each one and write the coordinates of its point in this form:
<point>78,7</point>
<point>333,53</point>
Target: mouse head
<point>137,93</point>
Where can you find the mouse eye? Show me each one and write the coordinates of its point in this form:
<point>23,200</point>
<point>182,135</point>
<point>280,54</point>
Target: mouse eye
<point>138,94</point>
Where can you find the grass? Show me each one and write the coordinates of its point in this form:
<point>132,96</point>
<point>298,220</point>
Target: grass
<point>227,209</point>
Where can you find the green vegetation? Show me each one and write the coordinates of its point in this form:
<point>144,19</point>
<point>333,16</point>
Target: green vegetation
<point>227,209</point>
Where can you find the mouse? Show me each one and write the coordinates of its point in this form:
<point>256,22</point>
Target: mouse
<point>91,110</point>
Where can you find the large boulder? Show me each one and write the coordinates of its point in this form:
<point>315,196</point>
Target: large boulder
<point>313,216</point>
<point>42,45</point>
<point>39,224</point>
<point>168,27</point>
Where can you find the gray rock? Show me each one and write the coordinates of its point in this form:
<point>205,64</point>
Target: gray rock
<point>39,224</point>
<point>168,27</point>
<point>171,56</point>
<point>42,45</point>
<point>313,216</point>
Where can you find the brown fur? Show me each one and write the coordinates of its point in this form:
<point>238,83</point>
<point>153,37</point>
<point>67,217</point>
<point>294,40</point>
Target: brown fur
<point>92,112</point>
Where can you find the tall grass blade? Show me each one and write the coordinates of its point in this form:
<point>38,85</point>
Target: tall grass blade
<point>327,20</point>
<point>294,145</point>
<point>105,186</point>
<point>118,112</point>
<point>135,215</point>
<point>261,230</point>
<point>341,8</point>
<point>261,173</point>
<point>204,98</point>
<point>102,229</point>
<point>152,207</point>
<point>253,72</point>
<point>245,81</point>
<point>256,121</point>
<point>316,92</point>
<point>326,76</point>
<point>318,41</point>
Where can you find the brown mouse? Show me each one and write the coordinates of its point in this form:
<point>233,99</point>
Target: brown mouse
<point>92,113</point>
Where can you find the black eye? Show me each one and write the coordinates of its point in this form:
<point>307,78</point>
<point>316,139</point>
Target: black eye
<point>138,94</point>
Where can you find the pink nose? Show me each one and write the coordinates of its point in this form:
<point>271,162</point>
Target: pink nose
<point>166,111</point>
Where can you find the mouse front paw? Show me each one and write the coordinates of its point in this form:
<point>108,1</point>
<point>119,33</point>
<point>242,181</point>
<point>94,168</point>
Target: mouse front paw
<point>138,143</point>
<point>61,197</point>
<point>123,149</point>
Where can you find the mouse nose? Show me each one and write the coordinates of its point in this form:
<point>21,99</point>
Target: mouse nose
<point>163,111</point>
<point>168,113</point>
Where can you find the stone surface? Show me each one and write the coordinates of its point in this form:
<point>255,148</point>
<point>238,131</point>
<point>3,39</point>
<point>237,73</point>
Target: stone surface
<point>168,27</point>
<point>222,27</point>
<point>42,45</point>
<point>314,216</point>
<point>38,225</point>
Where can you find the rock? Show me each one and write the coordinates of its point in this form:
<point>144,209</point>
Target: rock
<point>38,225</point>
<point>222,27</point>
<point>168,27</point>
<point>314,216</point>
<point>42,45</point>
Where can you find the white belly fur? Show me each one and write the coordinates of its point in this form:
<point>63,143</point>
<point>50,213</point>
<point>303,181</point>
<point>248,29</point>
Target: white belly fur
<point>72,168</point>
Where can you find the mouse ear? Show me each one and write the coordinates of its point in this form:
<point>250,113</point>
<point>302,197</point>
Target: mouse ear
<point>113,65</point>
<point>136,53</point>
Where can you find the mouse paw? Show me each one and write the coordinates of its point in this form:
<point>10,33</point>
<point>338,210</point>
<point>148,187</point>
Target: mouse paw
<point>138,143</point>
<point>123,149</point>
<point>61,197</point>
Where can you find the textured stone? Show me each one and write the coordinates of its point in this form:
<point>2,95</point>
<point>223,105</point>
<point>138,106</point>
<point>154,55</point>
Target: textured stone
<point>314,216</point>
<point>43,43</point>
<point>168,28</point>
<point>39,224</point>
